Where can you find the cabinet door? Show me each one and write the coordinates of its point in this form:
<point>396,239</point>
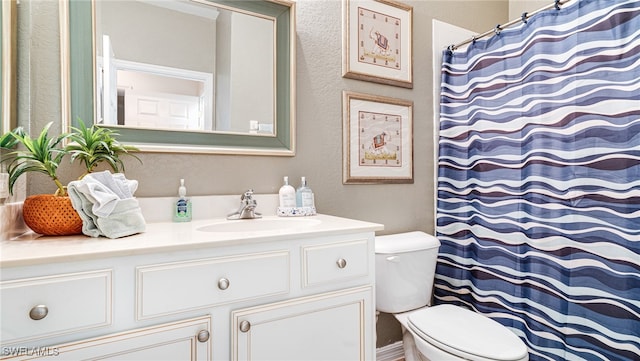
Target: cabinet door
<point>331,326</point>
<point>184,340</point>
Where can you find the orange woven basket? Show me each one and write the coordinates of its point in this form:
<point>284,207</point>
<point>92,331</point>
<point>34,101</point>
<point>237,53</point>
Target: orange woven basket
<point>51,215</point>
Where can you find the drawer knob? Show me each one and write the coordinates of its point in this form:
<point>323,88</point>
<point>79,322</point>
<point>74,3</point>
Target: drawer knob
<point>223,284</point>
<point>39,312</point>
<point>342,263</point>
<point>245,326</point>
<point>203,336</point>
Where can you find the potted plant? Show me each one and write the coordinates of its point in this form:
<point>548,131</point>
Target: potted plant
<point>94,145</point>
<point>8,141</point>
<point>48,214</point>
<point>53,214</point>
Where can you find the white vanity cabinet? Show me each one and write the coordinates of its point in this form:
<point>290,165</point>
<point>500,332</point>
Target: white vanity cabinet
<point>184,340</point>
<point>330,326</point>
<point>176,293</point>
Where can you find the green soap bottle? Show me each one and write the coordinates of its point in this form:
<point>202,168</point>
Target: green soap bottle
<point>182,210</point>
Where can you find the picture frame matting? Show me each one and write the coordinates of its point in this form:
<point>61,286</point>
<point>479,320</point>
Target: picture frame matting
<point>377,42</point>
<point>377,139</point>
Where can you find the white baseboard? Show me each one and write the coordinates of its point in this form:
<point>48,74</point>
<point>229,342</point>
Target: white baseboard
<point>391,352</point>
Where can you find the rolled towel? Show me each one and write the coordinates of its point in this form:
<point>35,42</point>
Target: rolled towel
<point>106,205</point>
<point>117,183</point>
<point>102,198</point>
<point>104,189</point>
<point>84,207</point>
<point>125,220</point>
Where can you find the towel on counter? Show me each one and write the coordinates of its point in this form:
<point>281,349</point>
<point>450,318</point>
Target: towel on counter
<point>106,205</point>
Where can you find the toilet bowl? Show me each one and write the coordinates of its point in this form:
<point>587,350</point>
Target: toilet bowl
<point>405,270</point>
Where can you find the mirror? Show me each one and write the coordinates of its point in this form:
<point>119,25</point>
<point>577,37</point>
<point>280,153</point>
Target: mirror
<point>148,76</point>
<point>8,66</point>
<point>184,75</point>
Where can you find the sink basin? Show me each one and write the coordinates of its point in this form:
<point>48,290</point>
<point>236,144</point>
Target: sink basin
<point>260,225</point>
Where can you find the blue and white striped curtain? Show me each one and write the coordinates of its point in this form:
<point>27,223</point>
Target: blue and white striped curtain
<point>539,181</point>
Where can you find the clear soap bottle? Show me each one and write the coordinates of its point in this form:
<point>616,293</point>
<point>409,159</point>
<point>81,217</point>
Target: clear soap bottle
<point>304,194</point>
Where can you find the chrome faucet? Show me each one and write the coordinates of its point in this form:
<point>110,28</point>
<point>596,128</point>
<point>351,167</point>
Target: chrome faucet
<point>247,208</point>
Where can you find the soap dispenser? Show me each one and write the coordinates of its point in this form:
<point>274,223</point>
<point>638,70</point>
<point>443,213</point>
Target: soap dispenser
<point>287,195</point>
<point>304,195</point>
<point>182,211</point>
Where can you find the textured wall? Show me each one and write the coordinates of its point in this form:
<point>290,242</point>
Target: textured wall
<point>517,7</point>
<point>319,119</point>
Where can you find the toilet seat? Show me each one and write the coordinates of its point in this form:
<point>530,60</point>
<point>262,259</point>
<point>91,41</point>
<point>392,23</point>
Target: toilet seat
<point>466,334</point>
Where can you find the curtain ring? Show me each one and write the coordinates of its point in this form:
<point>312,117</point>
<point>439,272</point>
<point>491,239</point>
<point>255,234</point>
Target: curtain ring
<point>557,5</point>
<point>498,29</point>
<point>451,48</point>
<point>474,39</point>
<point>524,17</point>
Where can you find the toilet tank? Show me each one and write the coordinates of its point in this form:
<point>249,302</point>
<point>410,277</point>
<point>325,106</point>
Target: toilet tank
<point>405,270</point>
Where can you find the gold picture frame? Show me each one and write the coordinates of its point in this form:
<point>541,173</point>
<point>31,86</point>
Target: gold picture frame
<point>377,42</point>
<point>377,139</point>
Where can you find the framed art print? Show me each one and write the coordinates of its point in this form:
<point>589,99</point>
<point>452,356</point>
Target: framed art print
<point>377,139</point>
<point>377,40</point>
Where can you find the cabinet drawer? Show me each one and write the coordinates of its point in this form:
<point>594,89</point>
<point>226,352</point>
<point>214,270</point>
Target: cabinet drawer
<point>334,262</point>
<point>175,287</point>
<point>54,305</point>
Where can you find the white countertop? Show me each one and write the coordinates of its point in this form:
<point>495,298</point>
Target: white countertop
<point>31,249</point>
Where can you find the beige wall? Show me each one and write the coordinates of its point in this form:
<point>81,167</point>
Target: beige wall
<point>517,7</point>
<point>319,119</point>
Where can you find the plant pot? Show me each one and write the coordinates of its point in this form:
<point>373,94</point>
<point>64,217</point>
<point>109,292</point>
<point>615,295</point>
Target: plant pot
<point>51,215</point>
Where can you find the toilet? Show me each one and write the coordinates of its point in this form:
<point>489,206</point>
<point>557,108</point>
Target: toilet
<point>405,270</point>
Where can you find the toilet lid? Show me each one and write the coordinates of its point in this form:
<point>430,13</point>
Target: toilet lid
<point>466,333</point>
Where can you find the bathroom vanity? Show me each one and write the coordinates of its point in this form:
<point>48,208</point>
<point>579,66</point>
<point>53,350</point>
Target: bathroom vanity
<point>265,289</point>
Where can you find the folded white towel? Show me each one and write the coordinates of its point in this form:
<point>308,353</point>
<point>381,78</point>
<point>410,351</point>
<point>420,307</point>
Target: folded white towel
<point>104,189</point>
<point>126,219</point>
<point>117,183</point>
<point>106,205</point>
<point>83,206</point>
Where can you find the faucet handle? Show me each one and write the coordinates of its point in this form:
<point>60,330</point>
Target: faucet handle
<point>247,195</point>
<point>247,207</point>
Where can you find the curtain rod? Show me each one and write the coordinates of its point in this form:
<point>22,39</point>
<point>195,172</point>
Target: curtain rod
<point>525,16</point>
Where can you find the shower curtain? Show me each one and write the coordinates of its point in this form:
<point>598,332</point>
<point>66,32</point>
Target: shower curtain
<point>538,207</point>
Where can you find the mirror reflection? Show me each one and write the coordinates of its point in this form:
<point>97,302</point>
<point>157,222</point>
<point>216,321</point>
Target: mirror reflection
<point>184,65</point>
